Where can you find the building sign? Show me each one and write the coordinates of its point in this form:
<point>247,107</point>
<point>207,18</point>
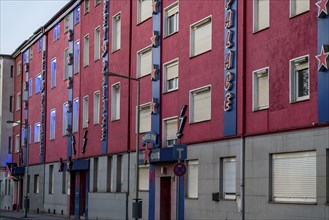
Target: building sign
<point>168,154</point>
<point>322,57</point>
<point>150,137</point>
<point>230,68</point>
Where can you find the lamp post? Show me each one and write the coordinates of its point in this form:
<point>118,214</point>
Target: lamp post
<point>137,205</point>
<point>26,197</point>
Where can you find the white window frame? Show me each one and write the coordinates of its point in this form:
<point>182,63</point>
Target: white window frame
<point>86,39</point>
<point>199,24</point>
<point>86,7</point>
<point>66,66</point>
<point>65,122</point>
<point>17,142</point>
<point>76,58</point>
<point>195,183</point>
<point>143,180</point>
<point>293,8</point>
<point>115,102</point>
<point>141,52</point>
<point>96,108</point>
<point>51,183</point>
<point>256,75</point>
<point>229,178</point>
<point>293,94</point>
<point>85,112</point>
<point>293,168</point>
<point>18,101</point>
<point>191,101</point>
<point>66,23</point>
<point>97,2</point>
<point>165,75</point>
<point>75,121</point>
<point>53,73</point>
<point>97,43</point>
<point>171,142</point>
<point>52,130</point>
<point>30,87</point>
<point>144,127</point>
<point>19,68</point>
<point>140,9</point>
<point>116,32</point>
<point>36,187</point>
<point>171,10</point>
<point>256,27</point>
<point>37,135</point>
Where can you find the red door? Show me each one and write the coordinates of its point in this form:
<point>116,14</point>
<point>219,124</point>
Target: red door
<point>165,198</point>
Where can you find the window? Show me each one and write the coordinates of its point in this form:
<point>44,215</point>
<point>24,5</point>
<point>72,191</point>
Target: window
<point>260,89</point>
<point>53,73</point>
<point>11,98</point>
<point>87,6</point>
<point>85,119</point>
<point>19,68</point>
<point>52,124</point>
<point>76,56</point>
<point>56,32</point>
<point>116,33</point>
<point>40,45</point>
<point>17,139</point>
<point>119,173</point>
<point>97,2</point>
<point>18,101</point>
<point>299,79</point>
<point>51,180</point>
<point>144,10</point>
<point>66,66</point>
<point>36,184</point>
<point>200,39</point>
<point>75,115</point>
<point>64,182</point>
<point>23,136</point>
<point>170,76</point>
<point>9,145</point>
<point>144,171</point>
<point>77,15</point>
<point>171,19</point>
<point>37,132</point>
<point>65,119</point>
<point>28,184</point>
<point>115,101</point>
<point>30,87</point>
<point>66,24</point>
<point>299,6</point>
<point>37,83</point>
<point>30,53</point>
<point>97,43</point>
<point>229,178</point>
<point>261,14</point>
<point>145,118</point>
<point>11,71</point>
<point>109,174</point>
<point>170,130</point>
<point>200,104</point>
<point>96,107</point>
<point>144,62</point>
<point>294,177</point>
<point>192,178</point>
<point>95,176</point>
<point>30,134</point>
<point>86,51</point>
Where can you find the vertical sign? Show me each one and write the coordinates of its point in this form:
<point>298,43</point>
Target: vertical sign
<point>25,102</point>
<point>322,57</point>
<point>230,68</point>
<point>105,83</point>
<point>43,99</point>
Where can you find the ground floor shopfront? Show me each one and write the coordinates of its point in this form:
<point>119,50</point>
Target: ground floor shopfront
<point>285,176</point>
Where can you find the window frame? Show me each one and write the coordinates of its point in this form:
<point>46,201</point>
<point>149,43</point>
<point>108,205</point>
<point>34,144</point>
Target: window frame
<point>77,15</point>
<point>188,193</point>
<point>96,108</point>
<point>293,88</point>
<point>75,128</point>
<point>66,66</point>
<point>115,26</point>
<point>36,187</point>
<point>141,187</point>
<point>53,72</point>
<point>255,76</point>
<point>86,51</point>
<point>139,66</point>
<point>37,134</point>
<point>19,68</point>
<point>65,122</point>
<point>97,40</point>
<point>139,12</point>
<point>86,6</point>
<point>256,27</point>
<point>18,101</point>
<point>165,131</point>
<point>141,107</point>
<point>166,17</point>
<point>30,87</point>
<point>224,160</point>
<point>38,80</point>
<point>292,9</point>
<point>85,112</point>
<point>165,77</point>
<point>191,103</point>
<point>17,142</point>
<point>200,23</point>
<point>115,106</point>
<point>52,124</point>
<point>76,57</point>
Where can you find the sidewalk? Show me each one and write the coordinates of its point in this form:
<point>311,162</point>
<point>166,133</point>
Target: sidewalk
<point>4,214</point>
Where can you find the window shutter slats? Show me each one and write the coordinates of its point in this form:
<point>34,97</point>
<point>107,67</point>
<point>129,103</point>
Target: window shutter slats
<point>263,91</point>
<point>192,182</point>
<point>302,6</point>
<point>294,177</point>
<point>201,106</point>
<point>229,172</point>
<point>145,63</point>
<point>263,14</point>
<point>145,119</point>
<point>145,9</point>
<point>172,11</point>
<point>172,71</point>
<point>202,38</point>
<point>171,129</point>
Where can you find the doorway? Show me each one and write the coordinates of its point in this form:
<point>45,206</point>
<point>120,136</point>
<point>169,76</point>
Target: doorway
<point>165,198</point>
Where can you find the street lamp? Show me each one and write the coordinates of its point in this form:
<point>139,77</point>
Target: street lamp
<point>137,205</point>
<point>26,197</point>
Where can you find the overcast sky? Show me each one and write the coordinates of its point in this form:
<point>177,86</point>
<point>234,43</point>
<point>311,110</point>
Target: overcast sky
<point>20,18</point>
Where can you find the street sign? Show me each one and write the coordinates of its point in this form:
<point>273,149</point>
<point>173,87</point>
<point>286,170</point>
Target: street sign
<point>179,169</point>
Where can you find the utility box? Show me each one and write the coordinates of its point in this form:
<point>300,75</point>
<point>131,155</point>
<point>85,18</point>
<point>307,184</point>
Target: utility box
<point>137,210</point>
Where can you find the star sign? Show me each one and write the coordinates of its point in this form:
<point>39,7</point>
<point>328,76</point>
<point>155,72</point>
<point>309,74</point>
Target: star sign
<point>154,73</point>
<point>146,155</point>
<point>154,39</point>
<point>155,6</point>
<point>323,8</point>
<point>154,106</point>
<point>323,58</point>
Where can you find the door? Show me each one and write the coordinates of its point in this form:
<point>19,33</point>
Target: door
<point>165,198</point>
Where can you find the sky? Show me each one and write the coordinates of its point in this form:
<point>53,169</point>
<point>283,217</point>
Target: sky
<point>20,18</point>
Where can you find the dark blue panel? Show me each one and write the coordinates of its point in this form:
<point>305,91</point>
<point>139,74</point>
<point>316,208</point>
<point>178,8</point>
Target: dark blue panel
<point>230,115</point>
<point>323,76</point>
<point>152,193</point>
<point>179,152</point>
